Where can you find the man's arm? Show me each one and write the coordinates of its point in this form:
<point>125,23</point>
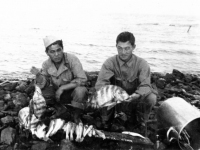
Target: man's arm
<point>105,74</point>
<point>80,77</point>
<point>144,87</point>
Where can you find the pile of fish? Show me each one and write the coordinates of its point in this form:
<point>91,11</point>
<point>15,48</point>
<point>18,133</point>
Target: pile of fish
<point>30,118</point>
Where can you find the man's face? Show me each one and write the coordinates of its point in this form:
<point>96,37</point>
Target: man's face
<point>125,50</point>
<point>55,52</point>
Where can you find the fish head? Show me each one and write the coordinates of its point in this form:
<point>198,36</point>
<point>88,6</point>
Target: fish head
<point>120,94</point>
<point>92,102</point>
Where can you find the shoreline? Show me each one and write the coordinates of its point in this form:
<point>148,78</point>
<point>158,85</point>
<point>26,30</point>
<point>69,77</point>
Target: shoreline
<point>28,76</point>
<point>16,94</point>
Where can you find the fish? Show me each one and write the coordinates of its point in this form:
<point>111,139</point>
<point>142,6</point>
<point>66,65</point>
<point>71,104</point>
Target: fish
<point>27,120</point>
<point>41,131</point>
<point>67,127</point>
<point>107,96</point>
<point>88,130</point>
<point>100,134</point>
<point>38,104</point>
<point>79,132</point>
<point>133,134</point>
<point>59,123</point>
<point>51,127</point>
<point>73,128</point>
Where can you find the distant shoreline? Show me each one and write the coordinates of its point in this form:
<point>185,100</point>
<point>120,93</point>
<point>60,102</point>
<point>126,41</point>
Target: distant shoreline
<point>29,76</point>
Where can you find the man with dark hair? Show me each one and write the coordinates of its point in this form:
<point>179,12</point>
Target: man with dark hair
<point>130,72</point>
<point>61,78</point>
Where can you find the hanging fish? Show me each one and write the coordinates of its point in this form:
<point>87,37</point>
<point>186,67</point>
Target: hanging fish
<point>107,96</point>
<point>38,104</point>
<point>27,120</point>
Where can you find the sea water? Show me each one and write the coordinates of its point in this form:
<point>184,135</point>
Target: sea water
<point>166,42</point>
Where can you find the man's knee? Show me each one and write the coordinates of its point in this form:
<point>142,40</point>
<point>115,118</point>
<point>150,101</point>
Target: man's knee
<point>80,93</point>
<point>151,99</point>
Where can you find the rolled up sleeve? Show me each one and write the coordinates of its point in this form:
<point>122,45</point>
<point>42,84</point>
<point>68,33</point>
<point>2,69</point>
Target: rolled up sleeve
<point>144,87</point>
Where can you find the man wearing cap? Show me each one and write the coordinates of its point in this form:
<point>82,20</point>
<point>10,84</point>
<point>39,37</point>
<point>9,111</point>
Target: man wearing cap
<point>62,74</point>
<point>130,72</point>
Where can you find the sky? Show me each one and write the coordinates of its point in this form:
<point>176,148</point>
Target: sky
<point>168,7</point>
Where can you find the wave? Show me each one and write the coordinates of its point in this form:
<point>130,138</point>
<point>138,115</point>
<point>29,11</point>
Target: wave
<point>92,45</point>
<point>155,24</point>
<point>184,25</point>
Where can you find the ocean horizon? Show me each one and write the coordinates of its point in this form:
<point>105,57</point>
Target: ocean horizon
<point>166,42</point>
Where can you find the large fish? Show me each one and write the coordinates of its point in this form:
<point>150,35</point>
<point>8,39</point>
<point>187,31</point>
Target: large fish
<point>27,120</point>
<point>38,103</point>
<point>107,96</point>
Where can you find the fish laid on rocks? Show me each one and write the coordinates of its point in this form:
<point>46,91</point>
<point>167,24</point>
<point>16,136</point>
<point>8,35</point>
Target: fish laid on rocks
<point>38,104</point>
<point>108,96</point>
<point>54,126</point>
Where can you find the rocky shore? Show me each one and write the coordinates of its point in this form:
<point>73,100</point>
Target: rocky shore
<point>16,94</point>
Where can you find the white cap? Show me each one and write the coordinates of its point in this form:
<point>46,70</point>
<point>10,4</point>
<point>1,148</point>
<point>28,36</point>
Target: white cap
<point>48,40</point>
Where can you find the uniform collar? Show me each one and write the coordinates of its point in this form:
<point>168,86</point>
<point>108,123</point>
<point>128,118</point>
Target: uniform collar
<point>129,63</point>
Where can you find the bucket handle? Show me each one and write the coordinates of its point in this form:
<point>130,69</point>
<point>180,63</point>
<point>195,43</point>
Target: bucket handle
<point>174,133</point>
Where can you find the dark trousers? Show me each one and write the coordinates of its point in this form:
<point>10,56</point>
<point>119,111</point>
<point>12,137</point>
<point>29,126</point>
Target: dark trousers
<point>141,107</point>
<point>76,97</point>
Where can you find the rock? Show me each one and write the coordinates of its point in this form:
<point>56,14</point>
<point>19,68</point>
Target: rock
<point>2,103</point>
<point>22,86</point>
<point>30,88</point>
<point>178,74</point>
<point>40,146</point>
<point>1,115</point>
<point>197,97</point>
<point>2,93</point>
<point>10,104</point>
<point>170,78</point>
<point>10,86</point>
<point>68,145</point>
<point>8,135</point>
<point>21,100</point>
<point>7,97</point>
<point>160,83</point>
<point>188,78</point>
<point>7,120</point>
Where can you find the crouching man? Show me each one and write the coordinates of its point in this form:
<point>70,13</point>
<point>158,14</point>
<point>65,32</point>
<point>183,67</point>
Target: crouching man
<point>61,78</point>
<point>132,73</point>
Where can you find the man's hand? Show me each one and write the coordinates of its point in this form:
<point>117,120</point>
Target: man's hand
<point>58,94</point>
<point>34,70</point>
<point>133,97</point>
